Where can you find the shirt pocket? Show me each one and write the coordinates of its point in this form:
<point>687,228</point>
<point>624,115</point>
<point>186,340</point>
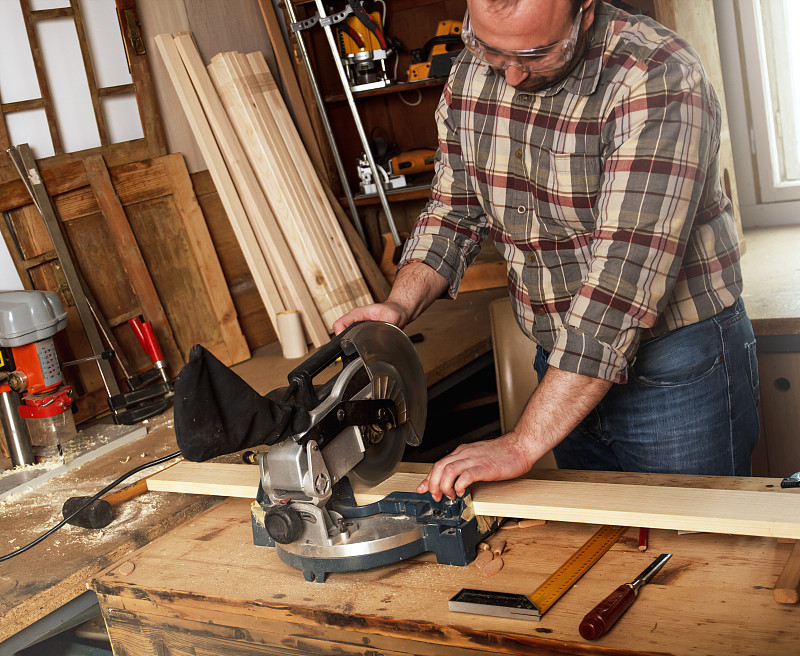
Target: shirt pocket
<point>568,187</point>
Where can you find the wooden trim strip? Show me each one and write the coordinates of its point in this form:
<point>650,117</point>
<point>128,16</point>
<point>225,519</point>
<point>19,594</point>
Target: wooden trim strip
<point>117,90</point>
<point>47,14</point>
<point>41,77</point>
<point>729,511</point>
<point>22,105</point>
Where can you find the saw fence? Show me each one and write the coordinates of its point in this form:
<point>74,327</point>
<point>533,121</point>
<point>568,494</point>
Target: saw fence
<point>289,233</point>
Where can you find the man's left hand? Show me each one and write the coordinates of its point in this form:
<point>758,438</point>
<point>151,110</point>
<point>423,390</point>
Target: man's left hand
<point>500,459</point>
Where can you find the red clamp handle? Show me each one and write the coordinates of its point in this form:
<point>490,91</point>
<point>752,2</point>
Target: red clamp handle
<point>147,338</point>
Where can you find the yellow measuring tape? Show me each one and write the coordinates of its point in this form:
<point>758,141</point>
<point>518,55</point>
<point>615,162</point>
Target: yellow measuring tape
<point>576,566</point>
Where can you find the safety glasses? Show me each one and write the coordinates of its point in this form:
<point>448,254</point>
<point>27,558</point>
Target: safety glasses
<point>533,60</point>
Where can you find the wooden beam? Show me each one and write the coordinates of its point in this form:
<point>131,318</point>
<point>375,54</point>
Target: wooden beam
<point>318,247</point>
<point>730,511</point>
<point>219,296</point>
<point>221,176</point>
<point>787,589</point>
<point>131,258</point>
<point>285,271</point>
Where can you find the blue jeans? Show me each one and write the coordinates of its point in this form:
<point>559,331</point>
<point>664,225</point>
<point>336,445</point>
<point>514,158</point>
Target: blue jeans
<point>689,407</point>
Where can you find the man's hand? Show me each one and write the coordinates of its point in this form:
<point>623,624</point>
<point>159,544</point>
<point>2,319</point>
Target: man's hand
<point>416,286</point>
<point>557,406</point>
<point>389,312</point>
<point>506,457</point>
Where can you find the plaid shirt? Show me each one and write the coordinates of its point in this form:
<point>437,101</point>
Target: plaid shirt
<point>602,192</point>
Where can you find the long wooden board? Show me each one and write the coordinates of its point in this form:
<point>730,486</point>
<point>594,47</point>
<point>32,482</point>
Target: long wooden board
<point>222,178</point>
<point>771,513</point>
<point>262,220</point>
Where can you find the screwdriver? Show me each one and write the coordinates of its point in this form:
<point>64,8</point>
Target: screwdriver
<point>603,616</point>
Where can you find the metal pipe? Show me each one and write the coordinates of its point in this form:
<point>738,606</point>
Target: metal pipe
<point>289,6</point>
<point>362,135</point>
<point>19,444</point>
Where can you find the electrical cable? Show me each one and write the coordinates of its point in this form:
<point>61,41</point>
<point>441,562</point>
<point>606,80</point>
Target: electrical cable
<point>411,104</point>
<point>89,502</point>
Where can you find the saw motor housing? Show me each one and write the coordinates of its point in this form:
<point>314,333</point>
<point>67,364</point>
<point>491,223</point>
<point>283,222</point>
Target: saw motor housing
<point>359,424</point>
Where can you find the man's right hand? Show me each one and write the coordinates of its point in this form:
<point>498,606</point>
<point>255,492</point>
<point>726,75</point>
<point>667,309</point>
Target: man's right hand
<point>389,312</point>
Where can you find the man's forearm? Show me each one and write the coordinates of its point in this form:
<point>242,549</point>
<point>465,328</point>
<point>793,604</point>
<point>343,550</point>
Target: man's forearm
<point>416,286</point>
<point>558,405</point>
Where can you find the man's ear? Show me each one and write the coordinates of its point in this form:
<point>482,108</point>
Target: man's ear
<point>589,7</point>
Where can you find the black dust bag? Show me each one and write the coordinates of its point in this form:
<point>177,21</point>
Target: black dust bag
<point>217,413</point>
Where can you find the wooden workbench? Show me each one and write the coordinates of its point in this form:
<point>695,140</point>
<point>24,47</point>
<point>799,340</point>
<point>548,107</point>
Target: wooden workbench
<point>205,589</point>
<point>51,574</point>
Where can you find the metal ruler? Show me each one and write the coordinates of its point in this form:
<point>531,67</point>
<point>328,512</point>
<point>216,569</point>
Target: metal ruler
<point>536,604</point>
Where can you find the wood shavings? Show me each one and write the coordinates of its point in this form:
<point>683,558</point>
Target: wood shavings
<point>493,567</point>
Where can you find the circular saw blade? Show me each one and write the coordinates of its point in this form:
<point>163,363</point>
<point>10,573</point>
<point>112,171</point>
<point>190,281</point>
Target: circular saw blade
<point>396,373</point>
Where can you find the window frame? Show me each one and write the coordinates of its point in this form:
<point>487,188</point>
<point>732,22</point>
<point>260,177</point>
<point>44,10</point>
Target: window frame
<point>747,117</point>
<point>152,144</point>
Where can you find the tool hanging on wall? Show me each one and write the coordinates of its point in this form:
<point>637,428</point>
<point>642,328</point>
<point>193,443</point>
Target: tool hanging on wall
<point>533,606</point>
<point>363,48</point>
<point>436,57</point>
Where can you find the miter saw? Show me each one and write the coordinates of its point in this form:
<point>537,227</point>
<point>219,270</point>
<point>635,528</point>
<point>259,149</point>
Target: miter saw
<point>358,425</point>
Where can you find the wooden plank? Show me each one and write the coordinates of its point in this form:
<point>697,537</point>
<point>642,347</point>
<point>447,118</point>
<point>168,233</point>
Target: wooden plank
<point>295,293</point>
<point>321,279</point>
<point>289,79</point>
<point>132,260</point>
<point>222,178</point>
<point>221,594</point>
<point>253,317</point>
<point>327,268</point>
<point>787,588</point>
<point>738,512</point>
<point>310,183</point>
<point>209,267</point>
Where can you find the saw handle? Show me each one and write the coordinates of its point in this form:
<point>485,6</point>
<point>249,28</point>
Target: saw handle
<point>303,375</point>
<point>603,616</point>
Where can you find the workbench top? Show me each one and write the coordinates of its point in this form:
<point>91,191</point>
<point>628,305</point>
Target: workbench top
<point>205,588</point>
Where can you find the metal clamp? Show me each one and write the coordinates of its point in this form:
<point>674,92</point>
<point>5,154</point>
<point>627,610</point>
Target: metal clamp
<point>325,21</point>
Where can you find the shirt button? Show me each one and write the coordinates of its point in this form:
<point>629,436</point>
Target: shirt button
<point>523,96</point>
<point>541,311</point>
<point>521,209</point>
<point>531,257</point>
<point>518,154</point>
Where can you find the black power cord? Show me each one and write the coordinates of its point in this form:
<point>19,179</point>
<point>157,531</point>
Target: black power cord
<point>89,502</point>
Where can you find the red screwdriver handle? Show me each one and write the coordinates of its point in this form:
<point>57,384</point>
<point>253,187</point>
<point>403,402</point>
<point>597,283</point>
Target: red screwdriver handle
<point>602,617</point>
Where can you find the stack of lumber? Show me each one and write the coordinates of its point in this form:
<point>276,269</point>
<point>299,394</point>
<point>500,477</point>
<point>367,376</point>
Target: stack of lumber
<point>277,205</point>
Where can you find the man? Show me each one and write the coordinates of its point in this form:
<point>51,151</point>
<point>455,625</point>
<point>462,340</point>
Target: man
<point>585,142</point>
